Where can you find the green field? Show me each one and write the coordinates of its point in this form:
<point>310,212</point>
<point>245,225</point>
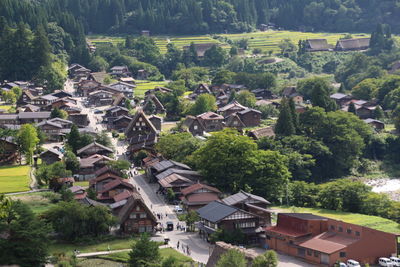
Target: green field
<point>143,86</point>
<point>14,179</point>
<point>374,222</point>
<point>38,202</point>
<point>82,183</point>
<point>164,252</point>
<point>115,244</point>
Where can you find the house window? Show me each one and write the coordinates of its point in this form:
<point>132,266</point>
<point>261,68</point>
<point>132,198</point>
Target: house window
<point>137,208</point>
<point>332,227</point>
<point>349,231</point>
<point>142,229</point>
<point>342,254</point>
<point>340,229</point>
<point>149,229</point>
<point>309,252</point>
<point>143,215</point>
<point>195,127</point>
<point>246,224</point>
<point>316,254</point>
<point>357,233</point>
<point>137,123</point>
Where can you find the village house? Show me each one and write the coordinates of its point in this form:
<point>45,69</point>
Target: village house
<point>29,108</point>
<point>289,91</point>
<point>51,156</point>
<point>78,192</point>
<point>152,105</point>
<point>175,182</point>
<point>142,75</point>
<point>100,181</point>
<point>94,148</point>
<point>202,88</point>
<point>315,45</point>
<point>114,112</point>
<point>376,124</point>
<point>234,121</point>
<point>354,44</point>
<point>257,134</point>
<point>231,108</point>
<point>157,89</point>
<point>33,117</point>
<point>126,88</point>
<point>85,87</point>
<point>120,100</point>
<point>78,72</point>
<point>198,195</point>
<point>251,203</point>
<point>162,166</point>
<point>206,122</point>
<point>263,93</point>
<point>128,80</point>
<point>120,71</point>
<point>8,151</point>
<point>324,241</point>
<point>120,123</point>
<point>156,121</point>
<point>25,98</point>
<point>100,98</point>
<point>112,189</point>
<point>9,121</point>
<point>218,215</point>
<point>79,119</point>
<point>135,217</point>
<point>141,133</point>
<point>43,101</point>
<point>88,166</point>
<point>341,99</point>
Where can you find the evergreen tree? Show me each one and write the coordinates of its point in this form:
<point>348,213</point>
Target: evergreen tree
<point>284,126</point>
<point>352,108</point>
<point>378,113</point>
<point>73,138</point>
<point>145,253</point>
<point>25,242</point>
<point>342,89</point>
<point>294,114</point>
<point>41,50</point>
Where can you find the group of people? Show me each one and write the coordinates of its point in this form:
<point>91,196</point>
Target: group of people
<point>185,248</point>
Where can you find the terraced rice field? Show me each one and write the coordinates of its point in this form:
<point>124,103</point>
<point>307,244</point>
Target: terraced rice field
<point>269,40</point>
<point>161,41</point>
<point>266,41</point>
<point>143,86</point>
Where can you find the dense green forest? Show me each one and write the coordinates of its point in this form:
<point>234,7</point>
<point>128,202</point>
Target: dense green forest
<point>202,16</point>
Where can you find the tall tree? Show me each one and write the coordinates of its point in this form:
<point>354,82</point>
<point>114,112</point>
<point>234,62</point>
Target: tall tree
<point>24,236</point>
<point>28,140</point>
<point>284,125</point>
<point>204,103</point>
<point>145,253</point>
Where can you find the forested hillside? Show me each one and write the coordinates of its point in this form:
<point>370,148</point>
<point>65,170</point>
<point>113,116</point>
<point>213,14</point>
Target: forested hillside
<point>203,16</point>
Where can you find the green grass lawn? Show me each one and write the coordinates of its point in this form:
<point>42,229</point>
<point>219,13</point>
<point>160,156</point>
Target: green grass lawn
<point>164,252</point>
<point>373,222</point>
<point>114,244</point>
<point>6,107</point>
<point>143,86</point>
<point>14,179</point>
<point>82,183</point>
<point>38,202</point>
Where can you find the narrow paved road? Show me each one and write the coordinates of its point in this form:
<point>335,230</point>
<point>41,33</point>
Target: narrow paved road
<point>199,249</point>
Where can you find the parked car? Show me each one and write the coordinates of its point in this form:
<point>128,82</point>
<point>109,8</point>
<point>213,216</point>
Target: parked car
<point>342,264</point>
<point>395,261</point>
<point>170,226</point>
<point>385,262</point>
<point>98,111</point>
<point>353,263</point>
<point>178,209</point>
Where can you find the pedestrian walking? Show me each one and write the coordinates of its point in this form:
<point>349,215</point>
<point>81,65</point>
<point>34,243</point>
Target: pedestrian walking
<point>177,245</point>
<point>188,251</point>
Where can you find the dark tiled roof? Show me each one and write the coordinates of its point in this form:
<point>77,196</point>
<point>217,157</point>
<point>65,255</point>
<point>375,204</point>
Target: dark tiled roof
<point>216,211</point>
<point>198,186</point>
<point>243,197</point>
<point>94,144</point>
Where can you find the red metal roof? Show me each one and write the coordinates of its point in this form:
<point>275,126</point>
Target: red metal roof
<point>198,186</point>
<point>124,195</point>
<point>201,197</point>
<point>328,242</point>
